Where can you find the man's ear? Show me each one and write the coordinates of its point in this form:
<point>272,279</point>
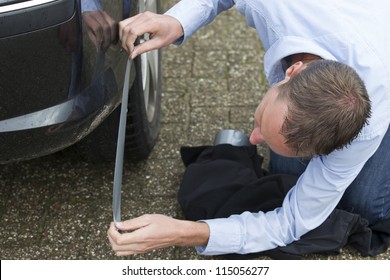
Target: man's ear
<point>295,69</point>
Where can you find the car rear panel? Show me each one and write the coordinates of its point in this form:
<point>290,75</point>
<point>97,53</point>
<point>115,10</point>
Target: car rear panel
<point>55,85</point>
<point>28,72</point>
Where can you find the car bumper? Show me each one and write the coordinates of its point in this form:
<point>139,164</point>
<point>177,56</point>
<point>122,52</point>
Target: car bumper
<point>52,129</point>
<point>56,86</point>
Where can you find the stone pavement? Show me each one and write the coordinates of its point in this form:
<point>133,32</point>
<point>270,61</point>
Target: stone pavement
<point>59,208</point>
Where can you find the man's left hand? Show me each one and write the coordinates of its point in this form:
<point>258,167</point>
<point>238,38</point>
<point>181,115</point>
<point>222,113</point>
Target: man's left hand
<point>150,232</point>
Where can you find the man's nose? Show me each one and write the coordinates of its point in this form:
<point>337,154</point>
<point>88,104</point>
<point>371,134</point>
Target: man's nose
<point>256,137</point>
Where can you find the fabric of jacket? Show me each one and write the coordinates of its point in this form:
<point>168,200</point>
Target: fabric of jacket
<point>223,180</point>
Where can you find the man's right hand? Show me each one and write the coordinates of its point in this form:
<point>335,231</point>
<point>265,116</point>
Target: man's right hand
<point>162,30</point>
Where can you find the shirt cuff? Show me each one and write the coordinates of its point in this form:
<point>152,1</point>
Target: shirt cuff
<point>221,240</point>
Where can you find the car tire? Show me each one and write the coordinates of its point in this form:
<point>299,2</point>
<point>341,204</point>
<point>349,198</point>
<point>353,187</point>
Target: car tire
<point>143,116</point>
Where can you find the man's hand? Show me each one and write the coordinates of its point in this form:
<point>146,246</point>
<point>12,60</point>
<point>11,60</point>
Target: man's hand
<point>162,30</point>
<point>150,232</point>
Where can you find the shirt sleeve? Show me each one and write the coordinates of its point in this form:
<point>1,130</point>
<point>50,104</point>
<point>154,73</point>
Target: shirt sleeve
<point>305,207</point>
<point>194,14</point>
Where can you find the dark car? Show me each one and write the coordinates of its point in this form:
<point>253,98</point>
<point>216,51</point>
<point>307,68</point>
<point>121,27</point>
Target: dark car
<point>61,79</point>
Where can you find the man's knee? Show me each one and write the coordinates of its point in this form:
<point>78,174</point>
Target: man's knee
<point>371,203</point>
<point>284,165</point>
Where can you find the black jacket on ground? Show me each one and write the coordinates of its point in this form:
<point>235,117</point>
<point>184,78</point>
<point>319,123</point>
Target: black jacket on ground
<point>223,180</point>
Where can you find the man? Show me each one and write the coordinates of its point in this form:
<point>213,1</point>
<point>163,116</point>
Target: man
<point>310,47</point>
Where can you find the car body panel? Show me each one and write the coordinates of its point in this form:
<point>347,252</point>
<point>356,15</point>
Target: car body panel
<point>56,83</point>
<point>20,17</point>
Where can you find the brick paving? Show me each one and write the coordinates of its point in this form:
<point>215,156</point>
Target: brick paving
<point>59,208</point>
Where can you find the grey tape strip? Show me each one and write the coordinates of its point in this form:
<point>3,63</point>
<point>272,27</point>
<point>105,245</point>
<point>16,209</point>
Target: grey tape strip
<point>116,194</point>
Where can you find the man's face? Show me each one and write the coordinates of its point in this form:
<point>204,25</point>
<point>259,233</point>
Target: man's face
<point>270,115</point>
<point>269,118</point>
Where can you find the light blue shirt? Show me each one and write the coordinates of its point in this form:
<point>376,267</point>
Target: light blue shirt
<point>352,32</point>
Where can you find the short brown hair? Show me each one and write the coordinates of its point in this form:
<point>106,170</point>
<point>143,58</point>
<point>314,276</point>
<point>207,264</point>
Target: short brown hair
<point>328,105</point>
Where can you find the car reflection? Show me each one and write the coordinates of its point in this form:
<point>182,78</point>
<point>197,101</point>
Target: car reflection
<point>101,28</point>
<point>102,31</point>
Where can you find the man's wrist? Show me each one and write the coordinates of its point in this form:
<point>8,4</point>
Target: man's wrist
<point>194,234</point>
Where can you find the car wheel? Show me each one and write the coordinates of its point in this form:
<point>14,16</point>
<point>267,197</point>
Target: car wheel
<point>143,116</point>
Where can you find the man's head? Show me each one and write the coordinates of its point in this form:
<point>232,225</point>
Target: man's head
<point>319,107</point>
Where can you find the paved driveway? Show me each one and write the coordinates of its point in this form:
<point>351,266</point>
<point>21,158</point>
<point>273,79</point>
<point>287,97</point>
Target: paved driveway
<point>59,208</point>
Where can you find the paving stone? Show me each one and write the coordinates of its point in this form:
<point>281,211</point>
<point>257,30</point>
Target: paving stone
<point>59,208</point>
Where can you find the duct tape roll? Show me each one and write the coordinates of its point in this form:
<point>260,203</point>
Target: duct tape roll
<point>232,137</point>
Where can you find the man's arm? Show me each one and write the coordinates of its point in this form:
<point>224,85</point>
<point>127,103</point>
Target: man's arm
<point>305,207</point>
<point>176,25</point>
<point>194,14</point>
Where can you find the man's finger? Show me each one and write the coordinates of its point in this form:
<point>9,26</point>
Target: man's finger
<point>136,29</point>
<point>145,47</point>
<point>126,253</point>
<point>126,243</point>
<point>134,224</point>
<point>128,32</point>
<point>126,22</point>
